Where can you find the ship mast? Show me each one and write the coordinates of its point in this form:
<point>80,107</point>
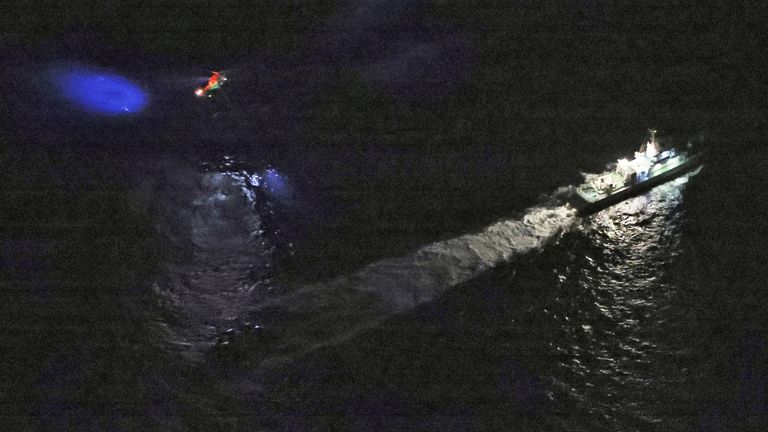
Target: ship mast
<point>653,135</point>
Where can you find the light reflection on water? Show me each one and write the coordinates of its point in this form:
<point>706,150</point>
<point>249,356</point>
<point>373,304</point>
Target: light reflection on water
<point>217,221</point>
<point>623,370</point>
<point>588,326</point>
<point>604,325</point>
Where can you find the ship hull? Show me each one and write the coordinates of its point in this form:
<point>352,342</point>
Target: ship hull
<point>586,208</point>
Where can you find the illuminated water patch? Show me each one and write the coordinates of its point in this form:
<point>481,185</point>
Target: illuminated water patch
<point>276,184</point>
<point>100,92</point>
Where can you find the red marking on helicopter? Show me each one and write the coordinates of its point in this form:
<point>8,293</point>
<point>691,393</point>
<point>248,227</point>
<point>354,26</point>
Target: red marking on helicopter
<point>215,82</point>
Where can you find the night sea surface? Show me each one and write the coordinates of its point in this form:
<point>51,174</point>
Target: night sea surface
<point>324,247</point>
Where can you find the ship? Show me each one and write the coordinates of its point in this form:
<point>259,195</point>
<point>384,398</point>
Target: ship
<point>650,167</point>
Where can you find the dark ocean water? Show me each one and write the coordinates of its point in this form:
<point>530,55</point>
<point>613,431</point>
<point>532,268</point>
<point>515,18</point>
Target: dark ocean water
<point>183,301</point>
<point>370,233</point>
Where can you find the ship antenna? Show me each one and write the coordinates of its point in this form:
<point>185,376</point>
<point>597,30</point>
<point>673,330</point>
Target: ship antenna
<point>653,135</point>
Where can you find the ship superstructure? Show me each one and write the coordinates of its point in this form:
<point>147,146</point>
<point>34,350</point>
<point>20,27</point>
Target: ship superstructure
<point>650,167</point>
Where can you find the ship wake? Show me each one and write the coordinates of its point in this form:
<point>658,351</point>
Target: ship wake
<point>326,314</point>
<point>221,300</point>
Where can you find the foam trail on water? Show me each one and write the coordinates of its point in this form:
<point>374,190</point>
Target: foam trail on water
<point>330,313</point>
<point>405,283</point>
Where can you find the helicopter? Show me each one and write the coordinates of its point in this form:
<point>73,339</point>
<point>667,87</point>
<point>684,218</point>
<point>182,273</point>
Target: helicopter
<point>215,81</point>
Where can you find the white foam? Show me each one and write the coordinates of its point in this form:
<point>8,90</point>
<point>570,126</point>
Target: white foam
<point>404,283</point>
<point>217,232</point>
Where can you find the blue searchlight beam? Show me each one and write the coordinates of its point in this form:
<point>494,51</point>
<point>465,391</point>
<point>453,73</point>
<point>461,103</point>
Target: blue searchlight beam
<point>100,92</point>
